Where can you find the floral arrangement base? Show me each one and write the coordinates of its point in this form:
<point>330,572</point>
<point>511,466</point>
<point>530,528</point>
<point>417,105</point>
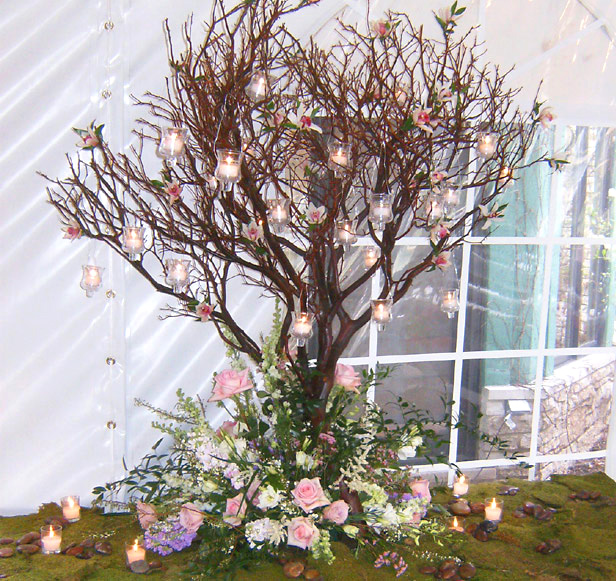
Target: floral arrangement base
<point>584,527</point>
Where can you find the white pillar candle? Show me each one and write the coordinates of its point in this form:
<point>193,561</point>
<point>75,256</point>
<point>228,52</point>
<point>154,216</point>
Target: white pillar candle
<point>494,509</point>
<point>51,539</point>
<point>460,486</point>
<point>135,552</point>
<point>71,510</point>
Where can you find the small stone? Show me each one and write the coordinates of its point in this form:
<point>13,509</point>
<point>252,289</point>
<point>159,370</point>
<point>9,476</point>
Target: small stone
<point>7,541</point>
<point>509,491</point>
<point>448,574</point>
<point>481,535</point>
<point>139,567</point>
<point>38,543</point>
<point>470,529</point>
<point>428,570</point>
<point>6,552</point>
<point>86,554</point>
<point>74,551</point>
<point>312,574</point>
<point>28,538</point>
<point>87,544</point>
<point>595,495</point>
<point>541,548</point>
<point>293,569</point>
<point>478,507</point>
<point>28,549</point>
<point>545,516</point>
<point>58,521</point>
<point>583,495</point>
<point>518,513</point>
<point>103,548</point>
<point>529,508</point>
<point>467,571</point>
<point>155,565</point>
<point>460,508</point>
<point>68,547</point>
<point>573,496</point>
<point>489,526</point>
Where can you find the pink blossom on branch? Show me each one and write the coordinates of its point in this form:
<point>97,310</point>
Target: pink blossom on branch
<point>442,260</point>
<point>252,231</point>
<point>439,231</point>
<point>204,311</point>
<point>173,191</point>
<point>546,116</point>
<point>423,120</point>
<point>229,383</point>
<point>72,230</point>
<point>314,214</point>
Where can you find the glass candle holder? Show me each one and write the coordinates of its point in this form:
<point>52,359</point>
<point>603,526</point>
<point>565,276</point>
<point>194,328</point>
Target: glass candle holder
<point>301,329</point>
<point>133,241</point>
<point>228,170</point>
<point>460,486</point>
<point>402,93</point>
<point>505,178</point>
<point>177,273</point>
<point>279,213</point>
<point>371,256</point>
<point>456,525</point>
<point>346,232</point>
<point>450,196</point>
<point>51,539</point>
<point>435,207</point>
<point>259,86</point>
<point>494,509</point>
<point>487,143</point>
<point>450,302</point>
<point>172,142</point>
<point>71,510</point>
<point>134,552</point>
<point>381,210</point>
<point>339,155</point>
<point>92,279</point>
<point>381,312</point>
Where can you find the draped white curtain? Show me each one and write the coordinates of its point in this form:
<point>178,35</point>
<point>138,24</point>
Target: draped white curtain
<point>67,417</point>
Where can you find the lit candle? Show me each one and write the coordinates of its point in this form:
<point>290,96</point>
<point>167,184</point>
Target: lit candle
<point>450,302</point>
<point>456,525</point>
<point>70,508</point>
<point>381,211</point>
<point>339,154</point>
<point>460,486</point>
<point>177,273</point>
<point>91,279</point>
<point>381,312</point>
<point>172,142</point>
<point>51,539</point>
<point>486,144</point>
<point>258,86</point>
<point>494,509</point>
<point>505,177</point>
<point>133,241</point>
<point>451,196</point>
<point>345,233</point>
<point>228,170</point>
<point>371,255</point>
<point>435,207</point>
<point>135,552</point>
<point>278,213</point>
<point>302,327</point>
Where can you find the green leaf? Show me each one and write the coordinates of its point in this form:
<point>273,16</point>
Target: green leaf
<point>158,184</point>
<point>408,124</point>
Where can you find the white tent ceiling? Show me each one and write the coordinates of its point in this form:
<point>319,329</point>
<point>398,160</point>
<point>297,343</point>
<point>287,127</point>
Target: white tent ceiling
<point>57,391</point>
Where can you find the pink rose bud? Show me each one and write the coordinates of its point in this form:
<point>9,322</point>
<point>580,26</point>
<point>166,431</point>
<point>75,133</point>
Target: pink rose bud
<point>337,512</point>
<point>191,518</point>
<point>146,513</point>
<point>347,377</point>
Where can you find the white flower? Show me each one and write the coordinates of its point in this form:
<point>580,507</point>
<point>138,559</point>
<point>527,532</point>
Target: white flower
<point>211,456</point>
<point>423,120</point>
<point>444,94</point>
<point>269,497</point>
<point>314,214</point>
<point>406,452</point>
<point>304,460</point>
<point>416,441</point>
<point>300,120</point>
<point>264,530</point>
<point>252,231</point>
<point>493,215</point>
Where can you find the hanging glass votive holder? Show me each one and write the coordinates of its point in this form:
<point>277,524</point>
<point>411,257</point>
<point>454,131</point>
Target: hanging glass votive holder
<point>371,256</point>
<point>346,232</point>
<point>259,86</point>
<point>381,312</point>
<point>92,279</point>
<point>279,214</point>
<point>301,329</point>
<point>435,207</point>
<point>228,170</point>
<point>505,178</point>
<point>381,210</point>
<point>487,143</point>
<point>450,302</point>
<point>172,143</point>
<point>133,241</point>
<point>177,273</point>
<point>450,196</point>
<point>339,155</point>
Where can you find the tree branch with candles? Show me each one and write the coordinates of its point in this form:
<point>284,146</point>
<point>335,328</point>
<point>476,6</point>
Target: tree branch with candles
<point>277,154</point>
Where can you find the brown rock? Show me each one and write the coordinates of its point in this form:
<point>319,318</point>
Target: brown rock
<point>28,538</point>
<point>546,515</point>
<point>460,508</point>
<point>518,513</point>
<point>6,552</point>
<point>313,574</point>
<point>68,547</point>
<point>155,565</point>
<point>529,508</point>
<point>448,574</point>
<point>470,529</point>
<point>293,569</point>
<point>583,495</point>
<point>74,551</point>
<point>478,507</point>
<point>103,548</point>
<point>595,495</point>
<point>448,564</point>
<point>139,567</point>
<point>28,549</point>
<point>85,554</point>
<point>467,571</point>
<point>6,541</point>
<point>428,570</point>
<point>87,544</point>
<point>481,535</point>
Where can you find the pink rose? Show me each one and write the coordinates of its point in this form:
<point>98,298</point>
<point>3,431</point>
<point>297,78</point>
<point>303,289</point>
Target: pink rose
<point>230,382</point>
<point>302,533</point>
<point>347,377</point>
<point>229,427</point>
<point>309,495</point>
<point>236,510</point>
<point>191,518</point>
<point>421,488</point>
<point>146,513</point>
<point>337,512</point>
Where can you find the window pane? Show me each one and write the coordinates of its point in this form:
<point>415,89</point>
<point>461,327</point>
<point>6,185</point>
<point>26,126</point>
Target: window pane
<point>504,297</point>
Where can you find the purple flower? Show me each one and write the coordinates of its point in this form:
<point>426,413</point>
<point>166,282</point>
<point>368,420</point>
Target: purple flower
<point>167,536</point>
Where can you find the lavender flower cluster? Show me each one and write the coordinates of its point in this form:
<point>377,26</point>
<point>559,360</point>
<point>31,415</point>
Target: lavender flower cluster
<point>167,536</point>
<point>388,559</point>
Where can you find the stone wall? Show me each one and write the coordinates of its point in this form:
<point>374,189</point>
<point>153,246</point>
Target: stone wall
<point>575,413</point>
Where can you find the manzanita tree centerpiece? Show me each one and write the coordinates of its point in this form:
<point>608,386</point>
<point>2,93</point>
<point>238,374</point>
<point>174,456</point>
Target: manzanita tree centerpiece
<point>277,156</point>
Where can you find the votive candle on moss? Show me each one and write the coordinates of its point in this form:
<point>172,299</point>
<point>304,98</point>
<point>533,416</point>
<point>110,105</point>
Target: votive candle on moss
<point>460,486</point>
<point>494,509</point>
<point>71,510</point>
<point>135,552</point>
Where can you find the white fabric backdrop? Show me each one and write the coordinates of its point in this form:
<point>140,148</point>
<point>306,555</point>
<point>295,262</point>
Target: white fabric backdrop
<point>57,393</point>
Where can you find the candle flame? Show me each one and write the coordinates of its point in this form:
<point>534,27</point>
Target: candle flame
<point>493,505</point>
<point>71,502</point>
<point>455,521</point>
<point>229,159</point>
<point>461,479</point>
<point>136,545</point>
<point>51,533</point>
